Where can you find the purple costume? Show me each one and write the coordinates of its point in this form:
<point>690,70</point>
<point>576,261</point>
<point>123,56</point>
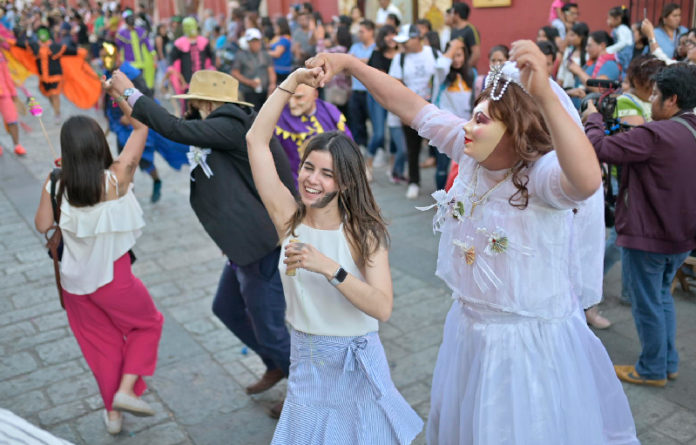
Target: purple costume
<point>125,42</point>
<point>292,131</point>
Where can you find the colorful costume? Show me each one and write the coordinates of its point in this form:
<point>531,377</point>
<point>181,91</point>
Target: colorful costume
<point>60,69</point>
<point>7,87</point>
<point>191,53</point>
<point>188,57</point>
<point>174,153</point>
<point>292,131</point>
<point>136,49</point>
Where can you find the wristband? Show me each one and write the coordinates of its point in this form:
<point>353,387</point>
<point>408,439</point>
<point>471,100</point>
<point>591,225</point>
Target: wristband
<point>287,91</point>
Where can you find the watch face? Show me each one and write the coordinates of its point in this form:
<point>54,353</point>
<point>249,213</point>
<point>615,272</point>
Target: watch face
<point>128,91</point>
<point>341,275</point>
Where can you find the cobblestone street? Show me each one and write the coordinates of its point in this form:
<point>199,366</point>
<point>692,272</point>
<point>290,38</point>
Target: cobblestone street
<point>198,388</point>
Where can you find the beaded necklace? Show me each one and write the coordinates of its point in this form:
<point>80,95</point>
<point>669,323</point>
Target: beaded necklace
<point>476,200</point>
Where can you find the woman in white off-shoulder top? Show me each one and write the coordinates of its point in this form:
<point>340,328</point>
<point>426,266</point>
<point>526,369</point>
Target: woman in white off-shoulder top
<point>110,311</point>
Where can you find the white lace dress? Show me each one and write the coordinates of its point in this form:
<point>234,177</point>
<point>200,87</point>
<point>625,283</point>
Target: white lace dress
<point>518,364</point>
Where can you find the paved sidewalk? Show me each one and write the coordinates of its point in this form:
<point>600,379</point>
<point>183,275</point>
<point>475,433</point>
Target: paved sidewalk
<point>198,387</point>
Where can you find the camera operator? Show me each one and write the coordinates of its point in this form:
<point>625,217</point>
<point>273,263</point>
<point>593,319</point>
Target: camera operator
<point>632,108</point>
<point>655,213</point>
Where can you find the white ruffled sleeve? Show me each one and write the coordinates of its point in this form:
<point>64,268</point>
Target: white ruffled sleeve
<point>545,183</point>
<point>587,255</point>
<point>444,130</point>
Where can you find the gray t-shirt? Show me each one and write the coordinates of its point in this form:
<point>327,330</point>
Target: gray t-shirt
<point>302,37</point>
<point>253,65</point>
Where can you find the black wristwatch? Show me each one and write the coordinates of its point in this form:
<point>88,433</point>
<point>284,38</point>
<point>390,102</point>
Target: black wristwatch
<point>339,276</point>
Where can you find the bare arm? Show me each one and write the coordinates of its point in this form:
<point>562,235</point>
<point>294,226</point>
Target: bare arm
<point>44,214</point>
<point>277,199</point>
<point>389,92</point>
<point>277,51</point>
<point>124,166</point>
<point>243,79</point>
<point>374,296</point>
<point>581,173</point>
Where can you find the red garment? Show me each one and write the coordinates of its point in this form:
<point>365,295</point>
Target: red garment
<point>452,175</point>
<point>601,60</point>
<point>118,329</point>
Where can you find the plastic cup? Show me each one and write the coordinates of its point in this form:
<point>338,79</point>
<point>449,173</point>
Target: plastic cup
<point>288,272</point>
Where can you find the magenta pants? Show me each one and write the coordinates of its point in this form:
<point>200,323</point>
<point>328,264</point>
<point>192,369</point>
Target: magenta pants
<point>118,329</point>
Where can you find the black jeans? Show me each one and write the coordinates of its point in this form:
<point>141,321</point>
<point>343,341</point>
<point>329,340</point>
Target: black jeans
<point>413,147</point>
<point>357,116</point>
<point>251,303</point>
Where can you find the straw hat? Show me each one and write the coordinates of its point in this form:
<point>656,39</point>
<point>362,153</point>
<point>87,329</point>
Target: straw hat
<point>213,85</point>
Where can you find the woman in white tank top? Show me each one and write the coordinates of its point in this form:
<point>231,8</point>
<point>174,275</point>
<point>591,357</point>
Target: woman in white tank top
<point>337,286</point>
<point>109,310</point>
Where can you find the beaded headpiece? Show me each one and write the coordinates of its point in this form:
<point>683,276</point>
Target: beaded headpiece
<point>503,74</point>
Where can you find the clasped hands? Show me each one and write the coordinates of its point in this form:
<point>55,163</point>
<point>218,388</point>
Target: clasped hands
<point>117,84</point>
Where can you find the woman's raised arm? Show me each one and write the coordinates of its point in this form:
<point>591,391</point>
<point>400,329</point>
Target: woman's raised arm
<point>388,91</point>
<point>277,199</point>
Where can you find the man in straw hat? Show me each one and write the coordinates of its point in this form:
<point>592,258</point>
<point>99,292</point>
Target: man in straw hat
<point>249,298</point>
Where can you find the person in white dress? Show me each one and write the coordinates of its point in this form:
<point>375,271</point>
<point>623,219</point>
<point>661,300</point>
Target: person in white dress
<point>337,286</point>
<point>518,364</point>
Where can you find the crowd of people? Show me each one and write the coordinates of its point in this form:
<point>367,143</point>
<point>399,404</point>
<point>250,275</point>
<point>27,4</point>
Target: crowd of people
<point>290,116</point>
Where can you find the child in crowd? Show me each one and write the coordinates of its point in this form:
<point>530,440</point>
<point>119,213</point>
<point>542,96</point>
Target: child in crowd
<point>619,20</point>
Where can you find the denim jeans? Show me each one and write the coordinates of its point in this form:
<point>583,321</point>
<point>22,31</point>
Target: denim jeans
<point>398,144</point>
<point>357,116</point>
<point>441,170</point>
<point>378,116</point>
<point>653,309</point>
<point>612,254</point>
<point>251,303</point>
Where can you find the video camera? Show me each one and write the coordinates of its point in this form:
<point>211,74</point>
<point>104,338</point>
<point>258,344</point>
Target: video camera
<point>604,101</point>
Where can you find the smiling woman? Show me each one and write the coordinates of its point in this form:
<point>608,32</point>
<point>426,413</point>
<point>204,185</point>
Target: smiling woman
<point>337,285</point>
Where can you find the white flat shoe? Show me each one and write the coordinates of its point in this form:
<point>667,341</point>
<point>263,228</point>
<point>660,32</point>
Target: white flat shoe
<point>133,405</point>
<point>112,426</point>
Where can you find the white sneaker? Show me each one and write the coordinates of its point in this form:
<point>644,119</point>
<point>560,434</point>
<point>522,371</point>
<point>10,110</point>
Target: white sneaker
<point>412,192</point>
<point>380,159</point>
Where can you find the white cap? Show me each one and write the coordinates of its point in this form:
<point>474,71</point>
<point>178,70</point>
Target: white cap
<point>408,32</point>
<point>252,34</point>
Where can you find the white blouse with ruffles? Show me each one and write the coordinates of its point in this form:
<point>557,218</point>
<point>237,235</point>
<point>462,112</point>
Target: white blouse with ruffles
<point>96,236</point>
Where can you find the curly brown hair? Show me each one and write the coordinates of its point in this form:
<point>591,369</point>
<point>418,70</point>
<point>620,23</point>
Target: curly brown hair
<point>365,227</point>
<point>527,129</point>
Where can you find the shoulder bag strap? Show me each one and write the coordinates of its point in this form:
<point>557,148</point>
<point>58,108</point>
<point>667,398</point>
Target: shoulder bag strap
<point>56,237</point>
<point>686,124</point>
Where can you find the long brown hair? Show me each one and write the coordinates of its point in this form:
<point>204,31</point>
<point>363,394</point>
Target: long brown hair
<point>85,155</point>
<point>361,217</point>
<point>526,127</point>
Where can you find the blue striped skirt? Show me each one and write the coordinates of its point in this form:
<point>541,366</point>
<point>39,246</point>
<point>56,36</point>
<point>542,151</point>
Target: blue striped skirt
<point>340,392</point>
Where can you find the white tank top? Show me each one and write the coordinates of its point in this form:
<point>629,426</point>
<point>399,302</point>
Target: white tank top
<point>315,306</point>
